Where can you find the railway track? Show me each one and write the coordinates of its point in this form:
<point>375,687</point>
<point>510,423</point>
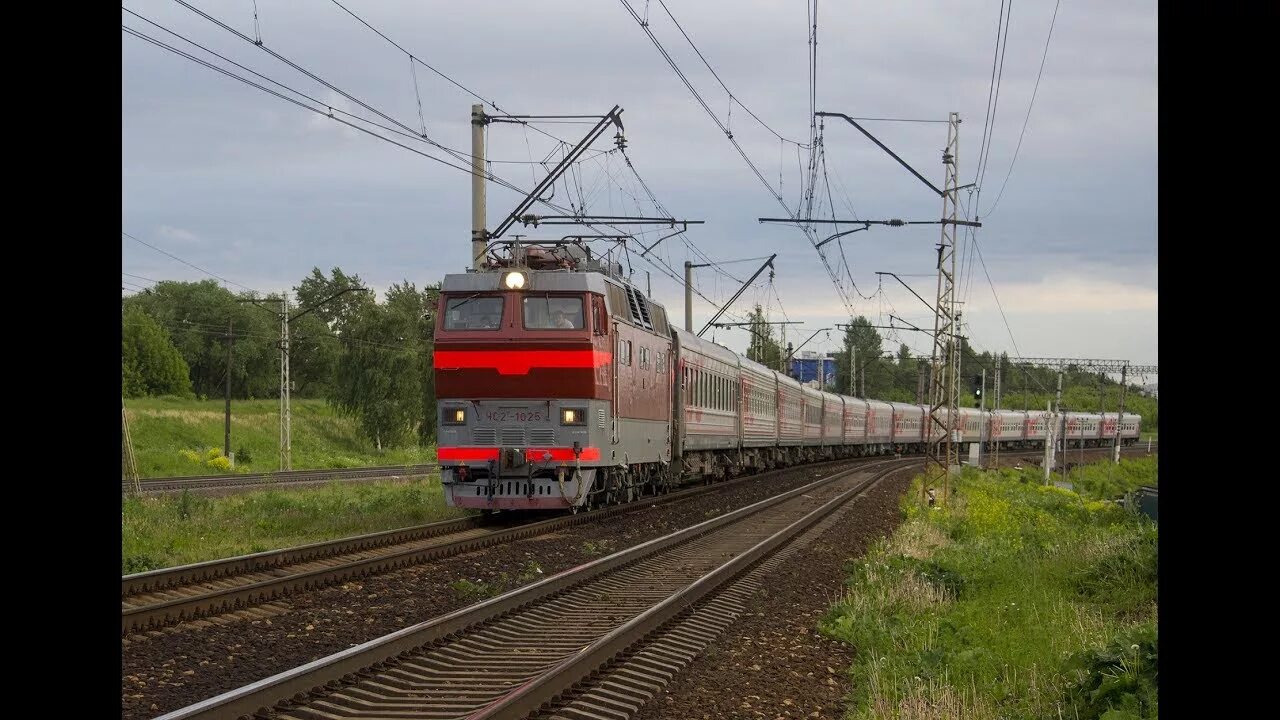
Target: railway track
<point>284,477</point>
<point>630,621</point>
<point>163,597</point>
<point>168,596</point>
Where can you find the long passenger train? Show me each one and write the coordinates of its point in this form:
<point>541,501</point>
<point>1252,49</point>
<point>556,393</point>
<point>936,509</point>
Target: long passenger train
<point>560,385</point>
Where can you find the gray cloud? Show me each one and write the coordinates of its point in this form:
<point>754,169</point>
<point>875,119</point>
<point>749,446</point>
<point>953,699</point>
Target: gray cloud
<point>270,190</point>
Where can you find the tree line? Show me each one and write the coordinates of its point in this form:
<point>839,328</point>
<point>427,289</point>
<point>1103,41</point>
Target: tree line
<point>374,360</point>
<point>371,360</point>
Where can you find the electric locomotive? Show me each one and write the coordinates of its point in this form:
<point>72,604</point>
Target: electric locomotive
<point>553,379</point>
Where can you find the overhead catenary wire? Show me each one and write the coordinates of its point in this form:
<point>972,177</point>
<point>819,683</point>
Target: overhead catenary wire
<point>492,103</point>
<point>401,128</point>
<point>808,232</point>
<point>184,262</point>
<point>330,111</point>
<point>732,98</point>
<point>983,150</point>
<point>1030,105</point>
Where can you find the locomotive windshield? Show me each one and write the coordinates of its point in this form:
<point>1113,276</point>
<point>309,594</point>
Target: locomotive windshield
<point>553,313</point>
<point>473,313</point>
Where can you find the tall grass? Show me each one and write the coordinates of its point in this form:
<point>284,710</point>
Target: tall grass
<point>1016,601</point>
<point>175,436</point>
<point>172,530</point>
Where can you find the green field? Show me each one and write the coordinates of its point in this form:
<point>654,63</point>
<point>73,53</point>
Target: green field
<point>1016,601</point>
<point>173,436</point>
<point>172,530</point>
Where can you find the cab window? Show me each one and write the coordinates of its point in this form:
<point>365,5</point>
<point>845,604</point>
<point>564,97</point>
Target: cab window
<point>473,313</point>
<point>552,313</point>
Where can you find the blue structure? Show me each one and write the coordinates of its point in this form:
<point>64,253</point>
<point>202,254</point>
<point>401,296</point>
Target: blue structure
<point>808,369</point>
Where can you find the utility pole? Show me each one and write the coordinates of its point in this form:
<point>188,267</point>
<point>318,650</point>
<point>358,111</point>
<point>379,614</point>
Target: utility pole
<point>999,372</point>
<point>853,353</point>
<point>688,296</point>
<point>1059,423</point>
<point>226,430</point>
<point>921,379</point>
<point>1124,382</point>
<point>944,385</point>
<point>286,431</point>
<point>944,380</point>
<point>982,425</point>
<point>479,235</point>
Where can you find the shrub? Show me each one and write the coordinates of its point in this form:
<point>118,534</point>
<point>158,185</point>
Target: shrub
<point>1118,681</point>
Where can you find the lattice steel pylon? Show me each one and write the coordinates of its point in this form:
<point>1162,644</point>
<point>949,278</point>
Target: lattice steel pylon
<point>944,389</point>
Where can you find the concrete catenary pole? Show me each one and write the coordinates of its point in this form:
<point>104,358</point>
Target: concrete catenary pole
<point>853,353</point>
<point>226,428</point>
<point>1124,382</point>
<point>999,372</point>
<point>982,421</point>
<point>688,296</point>
<point>479,235</point>
<point>1060,422</point>
<point>286,430</point>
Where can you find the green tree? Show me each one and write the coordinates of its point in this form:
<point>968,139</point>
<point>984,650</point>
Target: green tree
<point>338,311</point>
<point>379,376</point>
<point>196,314</point>
<point>868,361</point>
<point>149,362</point>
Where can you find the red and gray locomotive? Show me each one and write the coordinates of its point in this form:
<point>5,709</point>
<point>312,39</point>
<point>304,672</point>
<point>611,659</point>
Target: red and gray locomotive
<point>561,385</point>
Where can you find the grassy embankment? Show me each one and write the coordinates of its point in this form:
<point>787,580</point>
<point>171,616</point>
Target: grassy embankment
<point>1016,601</point>
<point>172,530</point>
<point>173,436</point>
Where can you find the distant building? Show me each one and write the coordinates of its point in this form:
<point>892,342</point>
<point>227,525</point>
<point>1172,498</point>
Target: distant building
<point>812,370</point>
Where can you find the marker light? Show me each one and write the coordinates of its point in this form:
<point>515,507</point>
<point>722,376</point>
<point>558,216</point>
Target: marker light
<point>573,416</point>
<point>515,280</point>
<point>455,416</point>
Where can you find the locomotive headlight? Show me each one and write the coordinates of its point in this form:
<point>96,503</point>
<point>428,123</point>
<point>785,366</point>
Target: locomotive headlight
<point>573,416</point>
<point>455,416</point>
<point>514,280</point>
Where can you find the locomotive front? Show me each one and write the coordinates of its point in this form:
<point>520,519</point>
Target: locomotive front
<point>522,371</point>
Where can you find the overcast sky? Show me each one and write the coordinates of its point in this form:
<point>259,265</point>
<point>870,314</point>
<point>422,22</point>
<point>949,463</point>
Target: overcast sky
<point>259,191</point>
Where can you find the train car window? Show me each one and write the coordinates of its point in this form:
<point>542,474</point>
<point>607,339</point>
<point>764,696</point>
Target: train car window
<point>552,313</point>
<point>644,358</point>
<point>473,313</point>
<point>624,352</point>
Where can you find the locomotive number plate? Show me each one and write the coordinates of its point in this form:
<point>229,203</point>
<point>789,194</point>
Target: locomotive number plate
<point>520,415</point>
